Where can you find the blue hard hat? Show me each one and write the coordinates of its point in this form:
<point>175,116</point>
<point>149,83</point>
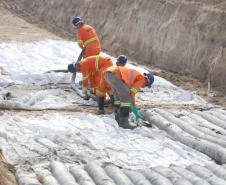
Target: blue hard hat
<point>122,59</point>
<point>71,68</point>
<point>76,20</point>
<point>150,78</point>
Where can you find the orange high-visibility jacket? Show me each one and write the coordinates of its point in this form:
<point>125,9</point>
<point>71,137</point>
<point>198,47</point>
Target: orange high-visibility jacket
<point>103,86</point>
<point>124,73</point>
<point>87,37</point>
<point>90,65</point>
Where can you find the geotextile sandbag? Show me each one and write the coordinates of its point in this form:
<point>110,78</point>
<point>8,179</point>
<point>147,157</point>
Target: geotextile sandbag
<point>174,177</point>
<point>136,177</point>
<point>98,174</point>
<point>218,170</point>
<point>215,151</point>
<point>81,176</point>
<point>155,178</point>
<point>211,118</point>
<point>61,173</point>
<point>190,176</point>
<point>50,180</point>
<point>117,175</point>
<point>186,127</point>
<point>206,175</point>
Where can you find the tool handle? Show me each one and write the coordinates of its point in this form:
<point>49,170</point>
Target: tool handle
<point>81,54</point>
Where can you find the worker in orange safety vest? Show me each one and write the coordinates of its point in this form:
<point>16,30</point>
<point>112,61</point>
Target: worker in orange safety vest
<point>104,87</point>
<point>125,83</point>
<point>86,37</point>
<point>93,64</point>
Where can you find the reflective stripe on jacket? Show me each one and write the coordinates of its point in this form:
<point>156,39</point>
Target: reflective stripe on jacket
<point>86,36</point>
<point>124,73</point>
<point>90,65</point>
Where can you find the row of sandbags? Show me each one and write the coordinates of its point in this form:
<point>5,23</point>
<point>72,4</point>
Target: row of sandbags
<point>109,174</point>
<point>204,131</point>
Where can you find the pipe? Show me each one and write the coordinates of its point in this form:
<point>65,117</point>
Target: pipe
<point>58,71</point>
<point>74,87</point>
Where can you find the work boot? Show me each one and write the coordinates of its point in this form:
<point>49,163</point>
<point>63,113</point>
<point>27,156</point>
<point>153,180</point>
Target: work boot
<point>124,116</point>
<point>101,105</point>
<point>117,108</point>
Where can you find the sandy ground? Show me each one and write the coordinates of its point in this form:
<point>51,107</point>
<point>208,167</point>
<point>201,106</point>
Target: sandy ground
<point>23,28</point>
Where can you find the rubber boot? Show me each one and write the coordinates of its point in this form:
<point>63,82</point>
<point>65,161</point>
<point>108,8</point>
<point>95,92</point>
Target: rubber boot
<point>117,108</point>
<point>101,105</point>
<point>124,116</point>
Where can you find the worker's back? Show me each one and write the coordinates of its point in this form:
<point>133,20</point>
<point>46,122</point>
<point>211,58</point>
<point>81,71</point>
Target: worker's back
<point>87,36</point>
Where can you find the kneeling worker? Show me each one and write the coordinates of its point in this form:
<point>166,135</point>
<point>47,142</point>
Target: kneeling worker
<point>125,83</point>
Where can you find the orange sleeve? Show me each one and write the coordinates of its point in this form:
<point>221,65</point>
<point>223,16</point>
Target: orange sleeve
<point>79,38</point>
<point>85,83</point>
<point>85,75</point>
<point>139,81</point>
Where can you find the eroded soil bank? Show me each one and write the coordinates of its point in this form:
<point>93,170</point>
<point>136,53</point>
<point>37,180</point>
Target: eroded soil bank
<point>187,37</point>
<point>14,28</point>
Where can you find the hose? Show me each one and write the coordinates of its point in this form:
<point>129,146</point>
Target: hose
<point>74,87</point>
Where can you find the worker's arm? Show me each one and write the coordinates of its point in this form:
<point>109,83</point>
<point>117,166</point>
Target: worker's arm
<point>135,87</point>
<point>85,85</point>
<point>135,111</point>
<point>85,77</point>
<point>79,39</point>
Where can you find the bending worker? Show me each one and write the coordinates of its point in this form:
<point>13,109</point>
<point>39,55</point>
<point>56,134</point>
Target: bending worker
<point>93,64</point>
<point>86,37</point>
<point>104,87</point>
<point>125,83</point>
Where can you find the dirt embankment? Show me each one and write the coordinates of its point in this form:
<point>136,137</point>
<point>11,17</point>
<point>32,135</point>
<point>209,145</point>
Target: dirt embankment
<point>187,37</point>
<point>13,28</point>
<point>6,172</point>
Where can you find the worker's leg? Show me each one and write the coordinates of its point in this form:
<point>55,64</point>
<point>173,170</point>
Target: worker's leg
<point>101,92</point>
<point>117,103</point>
<point>101,105</point>
<point>92,53</point>
<point>117,112</point>
<point>93,84</point>
<point>121,92</point>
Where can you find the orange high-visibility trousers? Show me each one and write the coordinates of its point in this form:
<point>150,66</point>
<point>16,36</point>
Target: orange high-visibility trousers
<point>92,52</point>
<point>89,53</point>
<point>103,86</point>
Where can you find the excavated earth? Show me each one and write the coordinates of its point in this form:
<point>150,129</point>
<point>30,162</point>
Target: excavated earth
<point>17,24</point>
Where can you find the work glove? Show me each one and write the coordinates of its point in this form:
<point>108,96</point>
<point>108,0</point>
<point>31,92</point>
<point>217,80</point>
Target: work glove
<point>86,96</point>
<point>135,111</point>
<point>112,97</point>
<point>97,98</point>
